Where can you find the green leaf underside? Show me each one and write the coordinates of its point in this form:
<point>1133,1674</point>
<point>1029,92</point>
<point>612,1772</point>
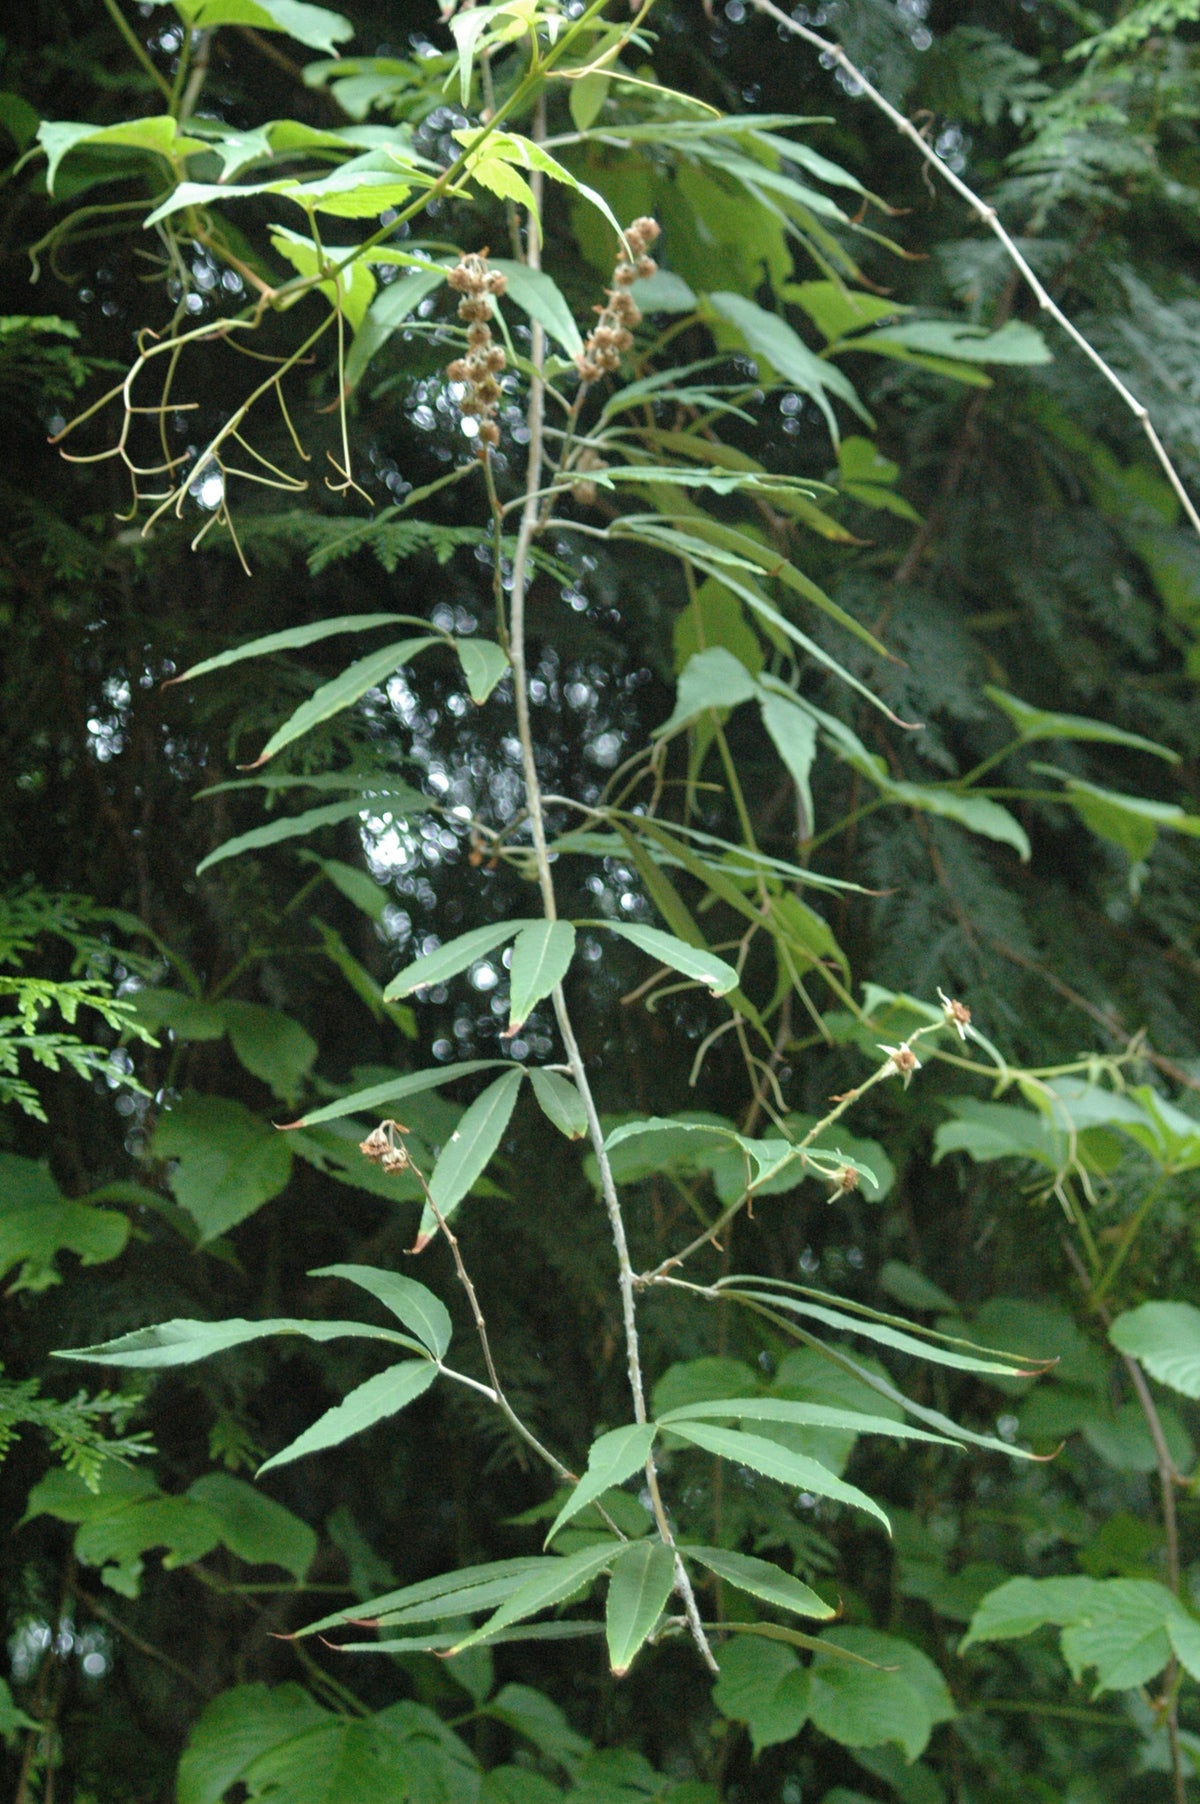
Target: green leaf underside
<point>541,957</point>
<point>371,1402</point>
<point>379,1096</point>
<point>887,1336</point>
<point>430,1591</point>
<point>560,1102</point>
<point>343,691</point>
<point>613,1458</point>
<point>471,1147</point>
<point>762,1580</point>
<point>180,1342</point>
<point>775,1461</point>
<point>802,1415</point>
<point>422,1313</point>
<point>704,966</point>
<point>642,1581</point>
<point>448,960</point>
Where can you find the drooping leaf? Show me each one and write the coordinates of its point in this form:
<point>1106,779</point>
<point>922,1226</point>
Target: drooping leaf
<point>541,956</point>
<point>294,638</point>
<point>181,1342</point>
<point>762,1580</point>
<point>612,1459</point>
<point>704,966</point>
<point>763,1685</point>
<point>775,1461</point>
<point>802,1415</point>
<point>429,1595</point>
<point>284,826</point>
<point>559,1101</point>
<point>1041,723</point>
<point>422,1313</point>
<point>373,1401</point>
<point>379,1096</point>
<point>710,679</point>
<point>902,1700</point>
<point>484,665</point>
<point>538,295</point>
<point>642,1581</point>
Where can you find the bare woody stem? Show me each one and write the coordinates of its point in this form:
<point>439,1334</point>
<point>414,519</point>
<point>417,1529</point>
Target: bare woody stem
<point>991,219</point>
<point>530,524</point>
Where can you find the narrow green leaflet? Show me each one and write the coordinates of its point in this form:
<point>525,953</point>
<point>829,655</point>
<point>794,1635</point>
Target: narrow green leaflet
<point>285,826</point>
<point>470,1148</point>
<point>704,966</point>
<point>294,639</point>
<point>793,733</point>
<point>559,1101</point>
<point>422,1313</point>
<point>512,1572</point>
<point>181,1342</point>
<point>1165,1339</point>
<point>1040,723</point>
<point>379,1096</point>
<point>541,956</point>
<point>449,960</point>
<point>538,295</point>
<point>939,1349</point>
<point>344,690</point>
<point>775,1461</point>
<point>642,1581</point>
<point>484,664</point>
<point>802,1415</point>
<point>762,1580</point>
<point>369,1403</point>
<point>612,1459</point>
<point>547,1588</point>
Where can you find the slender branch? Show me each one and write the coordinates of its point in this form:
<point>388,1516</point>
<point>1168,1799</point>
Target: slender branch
<point>991,219</point>
<point>139,49</point>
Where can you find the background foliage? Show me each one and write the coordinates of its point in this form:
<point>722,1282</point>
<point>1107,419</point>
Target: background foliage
<point>993,515</point>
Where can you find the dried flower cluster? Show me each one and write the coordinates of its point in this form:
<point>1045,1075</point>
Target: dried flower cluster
<point>382,1146</point>
<point>479,287</point>
<point>612,334</point>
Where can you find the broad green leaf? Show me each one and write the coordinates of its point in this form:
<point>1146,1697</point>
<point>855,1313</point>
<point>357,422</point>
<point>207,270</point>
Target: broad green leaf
<point>37,1223</point>
<point>182,1342</point>
<point>641,1583</point>
<point>1131,822</point>
<point>769,337</point>
<point>484,664</point>
<point>254,1526</point>
<point>314,26</point>
<point>775,1461</point>
<point>159,135</point>
<point>559,1101</point>
<point>1040,723</point>
<point>470,1147</point>
<point>351,287</point>
<point>395,1604</point>
<point>228,1161</point>
<point>704,966</point>
<point>794,736</point>
<point>802,1415</point>
<point>185,1016</point>
<point>561,1580</point>
<point>271,1045</point>
<point>294,638</point>
<point>422,1313</point>
<point>1022,1605</point>
<point>762,1580</point>
<point>763,1685</point>
<point>612,1459</point>
<point>663,292</point>
<point>379,1096</point>
<point>710,679</point>
<point>979,814</point>
<point>533,1715</point>
<point>1122,1632</point>
<point>344,690</point>
<point>233,1729</point>
<point>541,956</point>
<point>435,967</point>
<point>381,1396</point>
<point>902,1700</point>
<point>998,1130</point>
<point>1165,1339</point>
<point>284,826</point>
<point>538,295</point>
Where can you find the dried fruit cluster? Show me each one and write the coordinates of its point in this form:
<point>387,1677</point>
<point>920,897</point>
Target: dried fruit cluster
<point>479,369</point>
<point>613,332</point>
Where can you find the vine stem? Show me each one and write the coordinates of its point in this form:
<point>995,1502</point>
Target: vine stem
<point>531,523</point>
<point>991,219</point>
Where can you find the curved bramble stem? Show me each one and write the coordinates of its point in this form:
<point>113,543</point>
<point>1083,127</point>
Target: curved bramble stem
<point>990,218</point>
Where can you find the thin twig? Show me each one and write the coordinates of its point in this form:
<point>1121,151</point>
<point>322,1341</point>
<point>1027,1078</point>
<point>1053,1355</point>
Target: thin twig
<point>991,219</point>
